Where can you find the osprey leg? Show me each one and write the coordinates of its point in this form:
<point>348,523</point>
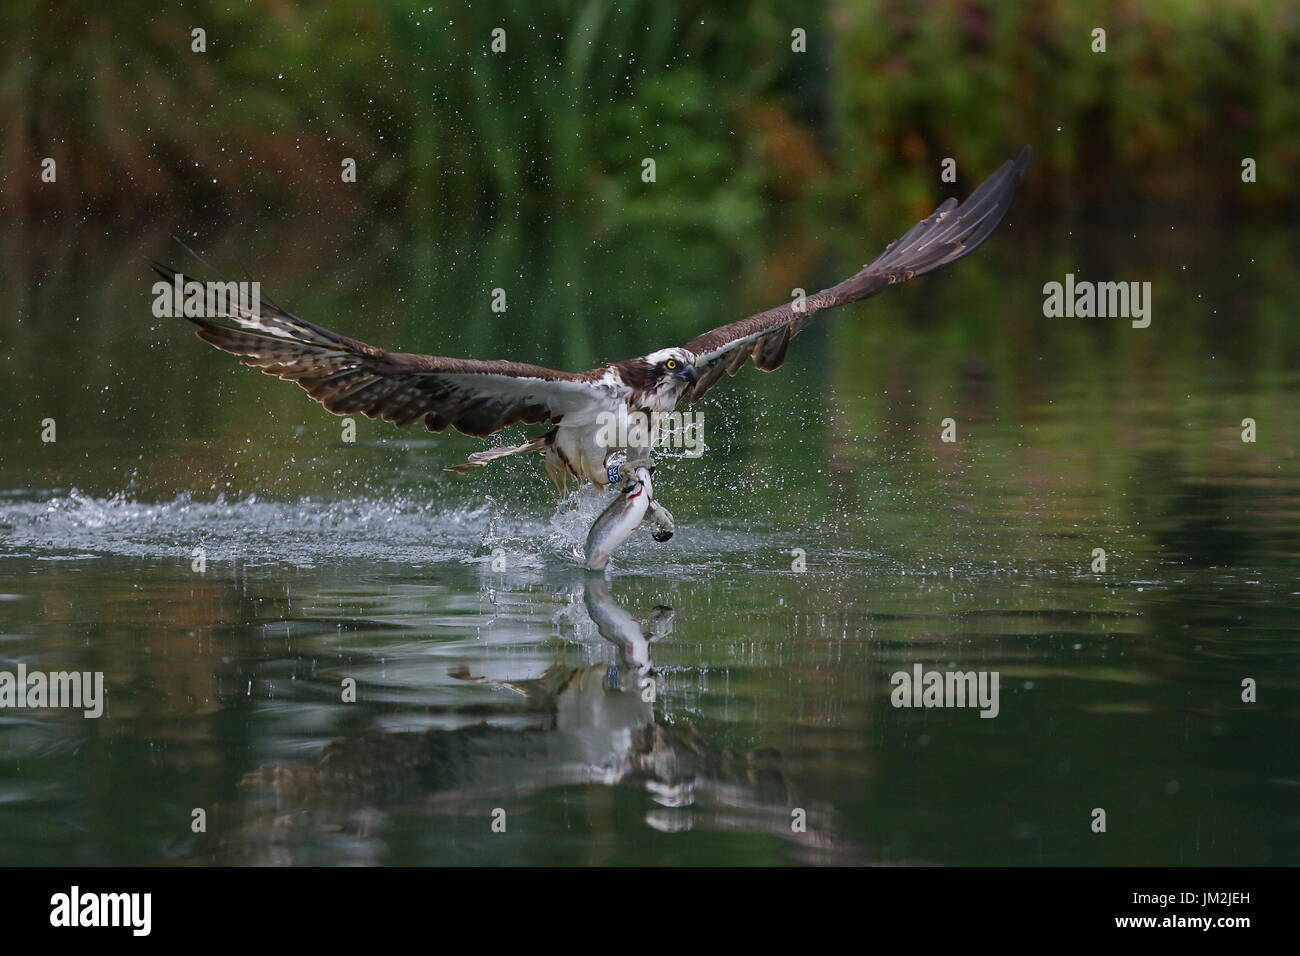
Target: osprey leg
<point>662,519</point>
<point>480,458</point>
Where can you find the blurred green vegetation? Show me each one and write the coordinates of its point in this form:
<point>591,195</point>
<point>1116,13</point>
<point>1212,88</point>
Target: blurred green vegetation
<point>584,91</point>
<point>1183,92</point>
<point>587,89</point>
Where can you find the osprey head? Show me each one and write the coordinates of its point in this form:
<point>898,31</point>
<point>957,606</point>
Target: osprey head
<point>660,378</point>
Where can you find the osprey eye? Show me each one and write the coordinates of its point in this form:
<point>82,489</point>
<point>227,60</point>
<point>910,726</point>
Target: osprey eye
<point>670,364</point>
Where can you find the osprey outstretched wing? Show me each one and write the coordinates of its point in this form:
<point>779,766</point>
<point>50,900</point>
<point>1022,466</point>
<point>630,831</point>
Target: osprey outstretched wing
<point>349,377</point>
<point>946,235</point>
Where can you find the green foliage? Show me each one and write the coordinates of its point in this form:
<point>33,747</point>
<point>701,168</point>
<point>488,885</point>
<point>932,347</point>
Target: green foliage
<point>410,89</point>
<point>587,89</point>
<point>1183,92</point>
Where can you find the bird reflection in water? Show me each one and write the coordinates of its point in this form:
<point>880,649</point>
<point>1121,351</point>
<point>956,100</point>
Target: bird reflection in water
<point>594,725</point>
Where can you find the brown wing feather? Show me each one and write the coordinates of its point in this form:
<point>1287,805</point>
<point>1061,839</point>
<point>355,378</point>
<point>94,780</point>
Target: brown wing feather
<point>944,236</point>
<point>350,377</point>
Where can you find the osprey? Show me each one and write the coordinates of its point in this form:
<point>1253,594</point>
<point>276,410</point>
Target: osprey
<point>482,397</point>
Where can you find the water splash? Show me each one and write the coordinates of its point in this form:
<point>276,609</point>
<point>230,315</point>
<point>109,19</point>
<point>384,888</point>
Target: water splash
<point>310,532</point>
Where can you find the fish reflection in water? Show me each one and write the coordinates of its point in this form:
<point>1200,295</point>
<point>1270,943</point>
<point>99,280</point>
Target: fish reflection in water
<point>597,726</point>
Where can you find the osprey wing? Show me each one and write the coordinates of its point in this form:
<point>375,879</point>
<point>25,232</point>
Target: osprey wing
<point>350,377</point>
<point>944,236</point>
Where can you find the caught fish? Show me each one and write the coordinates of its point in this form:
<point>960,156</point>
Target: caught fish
<point>619,520</point>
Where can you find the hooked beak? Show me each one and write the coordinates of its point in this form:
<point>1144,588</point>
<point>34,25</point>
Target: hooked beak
<point>687,373</point>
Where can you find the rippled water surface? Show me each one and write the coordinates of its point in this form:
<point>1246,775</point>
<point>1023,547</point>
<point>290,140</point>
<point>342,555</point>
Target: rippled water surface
<point>496,681</point>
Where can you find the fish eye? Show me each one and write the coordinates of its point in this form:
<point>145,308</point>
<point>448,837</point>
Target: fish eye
<point>670,364</point>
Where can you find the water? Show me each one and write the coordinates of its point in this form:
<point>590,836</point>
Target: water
<point>493,675</point>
